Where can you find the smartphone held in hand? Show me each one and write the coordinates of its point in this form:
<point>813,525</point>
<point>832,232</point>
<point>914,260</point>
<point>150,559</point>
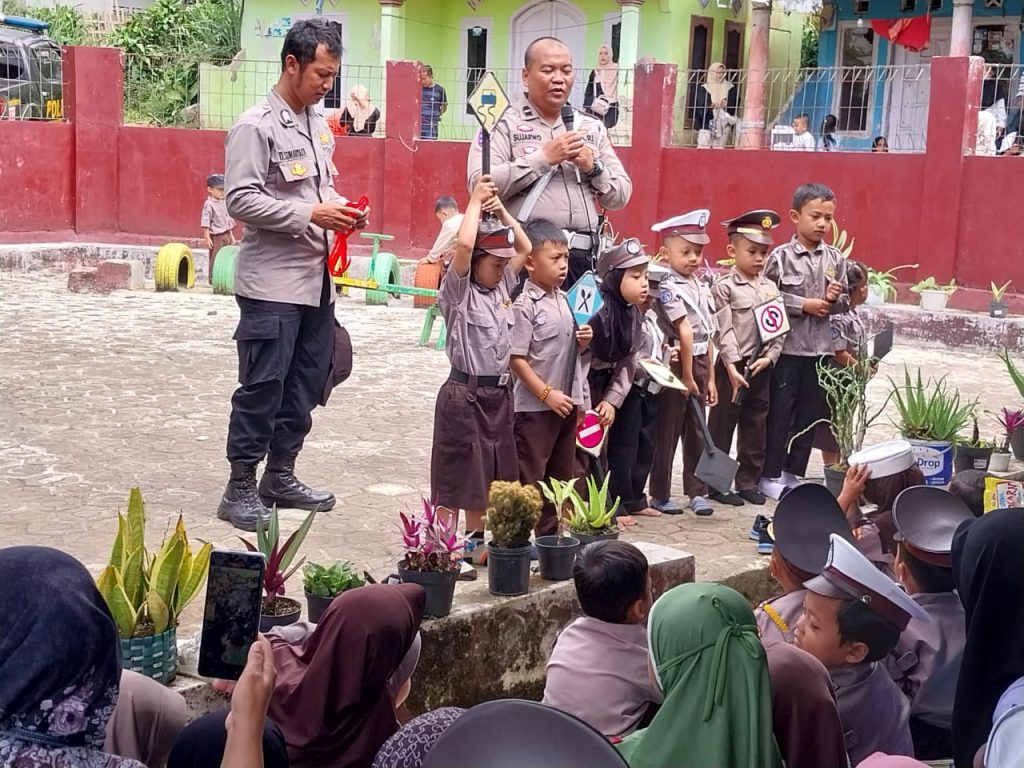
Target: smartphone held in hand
<point>234,600</point>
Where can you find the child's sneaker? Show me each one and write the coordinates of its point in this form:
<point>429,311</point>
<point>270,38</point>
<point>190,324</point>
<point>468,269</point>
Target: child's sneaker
<point>760,523</point>
<point>701,506</point>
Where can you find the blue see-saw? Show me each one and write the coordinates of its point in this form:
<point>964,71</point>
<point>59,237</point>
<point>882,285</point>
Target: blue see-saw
<point>20,22</point>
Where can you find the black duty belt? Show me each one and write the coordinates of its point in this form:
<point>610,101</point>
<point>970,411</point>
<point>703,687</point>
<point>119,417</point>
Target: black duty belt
<point>481,381</point>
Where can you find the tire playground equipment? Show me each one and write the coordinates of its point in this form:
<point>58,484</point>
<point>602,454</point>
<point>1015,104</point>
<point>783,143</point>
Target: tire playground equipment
<point>223,278</point>
<point>174,268</point>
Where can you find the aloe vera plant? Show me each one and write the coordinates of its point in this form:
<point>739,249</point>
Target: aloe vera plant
<point>279,558</point>
<point>1013,370</point>
<point>593,515</point>
<point>930,411</point>
<point>559,493</point>
<point>146,593</point>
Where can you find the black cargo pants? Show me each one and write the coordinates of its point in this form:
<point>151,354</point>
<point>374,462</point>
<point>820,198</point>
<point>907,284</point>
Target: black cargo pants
<point>286,367</point>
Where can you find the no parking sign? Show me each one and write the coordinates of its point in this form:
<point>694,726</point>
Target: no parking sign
<point>772,319</point>
<point>590,434</point>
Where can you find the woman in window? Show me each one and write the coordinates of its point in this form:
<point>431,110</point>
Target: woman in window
<point>359,117</point>
<point>714,111</point>
<point>601,99</point>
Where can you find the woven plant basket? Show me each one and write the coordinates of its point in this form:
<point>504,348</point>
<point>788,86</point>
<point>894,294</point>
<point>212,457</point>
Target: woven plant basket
<point>155,656</point>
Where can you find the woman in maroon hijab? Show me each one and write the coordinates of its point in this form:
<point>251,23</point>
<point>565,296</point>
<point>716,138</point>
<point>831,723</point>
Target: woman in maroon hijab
<point>332,700</point>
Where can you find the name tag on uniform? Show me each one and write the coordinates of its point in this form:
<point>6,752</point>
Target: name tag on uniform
<point>290,154</point>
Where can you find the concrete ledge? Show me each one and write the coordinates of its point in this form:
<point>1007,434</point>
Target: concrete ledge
<point>951,328</point>
<point>489,647</point>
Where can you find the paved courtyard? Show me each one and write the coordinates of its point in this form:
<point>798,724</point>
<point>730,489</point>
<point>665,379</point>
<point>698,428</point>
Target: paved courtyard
<point>100,393</point>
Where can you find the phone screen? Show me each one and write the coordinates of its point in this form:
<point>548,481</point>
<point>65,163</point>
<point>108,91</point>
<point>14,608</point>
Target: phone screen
<point>234,601</point>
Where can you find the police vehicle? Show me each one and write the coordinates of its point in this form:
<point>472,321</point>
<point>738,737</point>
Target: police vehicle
<point>30,71</point>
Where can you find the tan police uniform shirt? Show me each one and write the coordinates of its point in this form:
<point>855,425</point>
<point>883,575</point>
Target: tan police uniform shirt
<point>517,162</point>
<point>735,299</point>
<point>788,609</point>
<point>622,372</point>
<point>687,297</point>
<point>545,334</point>
<point>277,167</point>
<point>215,217</point>
<point>801,274</point>
<point>479,323</point>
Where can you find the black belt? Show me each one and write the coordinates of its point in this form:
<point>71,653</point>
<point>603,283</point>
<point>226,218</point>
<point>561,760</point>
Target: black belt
<point>481,381</point>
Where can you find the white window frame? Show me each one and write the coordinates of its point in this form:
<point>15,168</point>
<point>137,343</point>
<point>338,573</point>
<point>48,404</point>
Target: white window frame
<point>465,25</point>
<point>341,17</point>
<point>837,90</point>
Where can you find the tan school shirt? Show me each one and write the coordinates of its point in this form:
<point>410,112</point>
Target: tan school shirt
<point>479,322</point>
<point>687,297</point>
<point>801,274</point>
<point>622,372</point>
<point>849,333</point>
<point>215,217</point>
<point>545,334</point>
<point>788,608</point>
<point>735,299</point>
<point>277,167</point>
<point>517,162</point>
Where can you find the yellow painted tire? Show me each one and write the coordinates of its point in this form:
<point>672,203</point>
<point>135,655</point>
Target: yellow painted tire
<point>174,268</point>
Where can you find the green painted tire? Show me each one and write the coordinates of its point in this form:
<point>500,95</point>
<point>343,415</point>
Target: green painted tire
<point>224,270</point>
<point>174,268</point>
<point>384,269</point>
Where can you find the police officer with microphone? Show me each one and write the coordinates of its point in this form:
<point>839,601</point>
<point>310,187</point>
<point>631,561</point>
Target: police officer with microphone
<point>279,184</point>
<point>551,162</point>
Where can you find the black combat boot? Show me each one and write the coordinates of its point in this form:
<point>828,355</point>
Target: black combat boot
<point>280,486</point>
<point>241,505</point>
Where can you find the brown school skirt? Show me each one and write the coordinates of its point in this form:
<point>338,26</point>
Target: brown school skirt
<point>474,444</point>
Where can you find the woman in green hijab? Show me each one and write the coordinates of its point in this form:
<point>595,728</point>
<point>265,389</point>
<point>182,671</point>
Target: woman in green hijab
<point>710,665</point>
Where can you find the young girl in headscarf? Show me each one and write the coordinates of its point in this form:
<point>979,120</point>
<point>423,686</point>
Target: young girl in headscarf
<point>713,111</point>
<point>707,659</point>
<point>601,98</point>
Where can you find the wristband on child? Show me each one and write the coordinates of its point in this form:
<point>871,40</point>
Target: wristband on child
<point>545,393</point>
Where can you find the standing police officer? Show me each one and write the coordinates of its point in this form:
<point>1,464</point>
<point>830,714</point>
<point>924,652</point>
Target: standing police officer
<point>568,173</point>
<point>279,175</point>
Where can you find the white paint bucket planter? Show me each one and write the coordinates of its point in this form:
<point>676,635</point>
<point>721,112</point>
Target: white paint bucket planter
<point>934,301</point>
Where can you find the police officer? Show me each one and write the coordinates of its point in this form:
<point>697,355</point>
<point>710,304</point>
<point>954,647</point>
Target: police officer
<point>279,185</point>
<point>545,171</point>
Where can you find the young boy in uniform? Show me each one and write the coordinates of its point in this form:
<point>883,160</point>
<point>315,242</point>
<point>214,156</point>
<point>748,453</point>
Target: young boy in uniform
<point>218,227</point>
<point>853,617</point>
<point>926,661</point>
<point>545,361</point>
<point>811,275</point>
<point>743,362</point>
<point>686,311</point>
<point>598,668</point>
<point>804,522</point>
<point>446,209</point>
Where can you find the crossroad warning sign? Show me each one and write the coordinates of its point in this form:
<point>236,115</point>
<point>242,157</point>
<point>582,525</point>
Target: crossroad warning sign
<point>488,102</point>
<point>772,319</point>
<point>584,298</point>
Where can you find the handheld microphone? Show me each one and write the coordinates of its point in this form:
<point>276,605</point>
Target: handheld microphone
<point>568,117</point>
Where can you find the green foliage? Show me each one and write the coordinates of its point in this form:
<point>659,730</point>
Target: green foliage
<point>929,284</point>
<point>560,495</point>
<point>146,594</point>
<point>330,581</point>
<point>999,290</point>
<point>592,515</point>
<point>839,240</point>
<point>809,42</point>
<point>67,24</point>
<point>512,512</point>
<point>930,410</point>
<point>278,557</point>
<point>1013,370</point>
<point>884,283</point>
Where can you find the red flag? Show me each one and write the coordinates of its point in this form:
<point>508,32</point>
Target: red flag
<point>912,33</point>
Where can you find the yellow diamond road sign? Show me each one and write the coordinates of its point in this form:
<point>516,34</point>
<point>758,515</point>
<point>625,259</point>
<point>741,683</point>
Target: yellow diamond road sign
<point>488,102</point>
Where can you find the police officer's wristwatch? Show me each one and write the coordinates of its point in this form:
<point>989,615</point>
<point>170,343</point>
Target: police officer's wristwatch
<point>597,170</point>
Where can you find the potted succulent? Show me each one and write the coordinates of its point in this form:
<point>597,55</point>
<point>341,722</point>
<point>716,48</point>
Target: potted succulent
<point>997,307</point>
<point>1012,422</point>
<point>513,509</point>
<point>592,519</point>
<point>934,297</point>
<point>557,554</point>
<point>278,610</point>
<point>930,415</point>
<point>146,593</point>
<point>323,583</point>
<point>432,552</point>
<point>882,285</point>
<point>974,453</point>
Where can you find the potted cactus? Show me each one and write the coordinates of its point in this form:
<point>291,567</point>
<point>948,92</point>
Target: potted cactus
<point>513,509</point>
<point>557,554</point>
<point>974,453</point>
<point>278,610</point>
<point>146,593</point>
<point>593,519</point>
<point>323,583</point>
<point>432,552</point>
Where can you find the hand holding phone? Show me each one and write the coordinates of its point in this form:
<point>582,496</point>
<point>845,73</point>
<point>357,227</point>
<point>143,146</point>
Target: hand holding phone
<point>234,600</point>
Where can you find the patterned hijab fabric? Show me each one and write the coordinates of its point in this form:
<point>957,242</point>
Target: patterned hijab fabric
<point>410,746</point>
<point>59,663</point>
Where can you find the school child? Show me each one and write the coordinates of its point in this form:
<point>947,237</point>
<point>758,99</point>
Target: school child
<point>743,363</point>
<point>632,434</point>
<point>598,668</point>
<point>549,378</point>
<point>811,275</point>
<point>849,344</point>
<point>474,442</point>
<point>218,227</point>
<point>853,617</point>
<point>926,661</point>
<point>804,521</point>
<point>686,311</point>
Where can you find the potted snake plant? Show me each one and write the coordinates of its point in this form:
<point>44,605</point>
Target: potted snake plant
<point>147,592</point>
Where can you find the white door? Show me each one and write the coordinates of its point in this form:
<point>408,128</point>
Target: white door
<point>548,18</point>
<point>906,121</point>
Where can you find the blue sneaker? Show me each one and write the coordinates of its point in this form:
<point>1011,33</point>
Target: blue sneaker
<point>765,544</point>
<point>760,523</point>
<point>667,506</point>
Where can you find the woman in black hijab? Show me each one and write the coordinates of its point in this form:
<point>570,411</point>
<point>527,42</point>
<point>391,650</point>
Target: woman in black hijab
<point>988,568</point>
